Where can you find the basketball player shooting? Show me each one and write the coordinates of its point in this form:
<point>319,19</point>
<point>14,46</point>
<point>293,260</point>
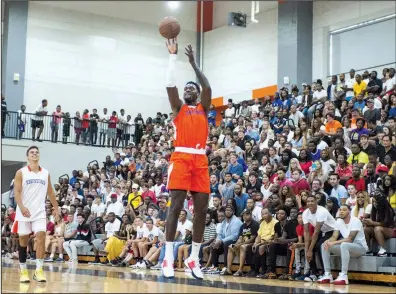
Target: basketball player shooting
<point>188,169</point>
<point>31,186</point>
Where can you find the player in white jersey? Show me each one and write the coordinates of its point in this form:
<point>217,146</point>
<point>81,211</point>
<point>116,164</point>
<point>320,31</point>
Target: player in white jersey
<point>32,184</point>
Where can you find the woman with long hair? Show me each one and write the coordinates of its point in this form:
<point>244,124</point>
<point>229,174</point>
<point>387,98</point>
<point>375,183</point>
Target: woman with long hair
<point>266,187</point>
<point>285,192</point>
<point>55,241</point>
<point>316,125</point>
<point>317,172</point>
<point>363,205</point>
<point>305,161</point>
<point>294,165</point>
<point>389,186</point>
<point>302,200</point>
<point>299,141</point>
<point>381,223</point>
<point>332,206</point>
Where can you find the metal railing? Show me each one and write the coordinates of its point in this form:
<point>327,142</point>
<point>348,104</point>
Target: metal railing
<point>66,130</point>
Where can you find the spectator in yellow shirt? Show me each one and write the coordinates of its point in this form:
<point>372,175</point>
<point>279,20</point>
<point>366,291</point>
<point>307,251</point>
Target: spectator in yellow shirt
<point>264,237</point>
<point>135,198</point>
<point>360,86</point>
<point>357,157</point>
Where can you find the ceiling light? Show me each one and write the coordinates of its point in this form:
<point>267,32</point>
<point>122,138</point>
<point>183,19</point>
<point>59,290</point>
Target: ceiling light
<point>173,4</point>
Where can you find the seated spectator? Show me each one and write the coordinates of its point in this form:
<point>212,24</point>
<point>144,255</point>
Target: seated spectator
<point>255,209</point>
<point>228,234</point>
<point>116,242</point>
<point>54,241</point>
<point>357,181</point>
<point>332,206</point>
<point>181,232</point>
<point>134,244</point>
<point>381,223</point>
<point>83,238</point>
<point>240,200</point>
<point>363,206</point>
<point>338,191</point>
<point>182,253</point>
<point>151,236</point>
<point>298,247</point>
<point>207,249</point>
<point>135,198</point>
<point>343,168</point>
<point>351,244</point>
<point>265,236</point>
<point>112,227</point>
<point>243,246</point>
<point>115,206</point>
<point>357,157</point>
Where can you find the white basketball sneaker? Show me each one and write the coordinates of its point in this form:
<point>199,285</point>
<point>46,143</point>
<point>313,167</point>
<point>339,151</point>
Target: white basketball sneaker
<point>167,269</point>
<point>195,268</point>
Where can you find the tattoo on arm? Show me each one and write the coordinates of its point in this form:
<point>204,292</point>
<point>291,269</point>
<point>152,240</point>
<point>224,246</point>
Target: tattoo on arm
<point>352,235</point>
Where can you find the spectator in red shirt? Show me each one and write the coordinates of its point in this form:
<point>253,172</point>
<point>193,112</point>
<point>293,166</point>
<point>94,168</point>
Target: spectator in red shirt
<point>299,183</point>
<point>343,168</point>
<point>112,130</point>
<point>282,181</point>
<point>11,213</point>
<point>148,193</point>
<point>85,126</point>
<point>356,179</point>
<point>56,120</point>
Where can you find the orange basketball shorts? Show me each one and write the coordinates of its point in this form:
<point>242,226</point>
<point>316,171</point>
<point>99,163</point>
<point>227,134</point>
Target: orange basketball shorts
<point>188,172</point>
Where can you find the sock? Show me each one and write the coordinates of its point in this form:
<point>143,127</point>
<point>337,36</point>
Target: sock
<point>195,250</point>
<point>22,254</point>
<point>169,251</point>
<point>39,263</point>
<point>61,255</point>
<point>22,266</point>
<point>52,256</point>
<point>327,274</point>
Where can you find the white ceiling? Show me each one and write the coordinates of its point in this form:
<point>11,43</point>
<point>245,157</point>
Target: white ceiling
<point>222,8</point>
<point>151,12</point>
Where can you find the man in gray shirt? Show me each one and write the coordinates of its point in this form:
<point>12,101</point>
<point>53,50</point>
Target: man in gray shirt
<point>227,189</point>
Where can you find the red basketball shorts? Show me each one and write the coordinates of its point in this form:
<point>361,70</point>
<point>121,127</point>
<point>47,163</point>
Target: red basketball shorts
<point>189,172</point>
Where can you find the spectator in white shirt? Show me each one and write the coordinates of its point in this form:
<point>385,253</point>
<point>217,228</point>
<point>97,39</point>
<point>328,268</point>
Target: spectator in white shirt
<point>22,120</point>
<point>98,208</point>
<point>319,96</point>
<point>103,126</point>
<point>229,113</point>
<point>38,121</point>
<point>115,206</point>
<point>120,128</point>
<point>352,244</point>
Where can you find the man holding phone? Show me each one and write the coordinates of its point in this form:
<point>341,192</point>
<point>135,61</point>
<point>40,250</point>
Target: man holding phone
<point>243,246</point>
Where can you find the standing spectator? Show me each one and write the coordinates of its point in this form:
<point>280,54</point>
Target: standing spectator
<point>85,126</point>
<point>93,127</point>
<point>38,121</point>
<point>128,130</point>
<point>120,128</point>
<point>104,118</point>
<point>66,127</point>
<point>139,121</point>
<point>212,115</point>
<point>77,127</point>
<point>22,120</point>
<point>56,121</point>
<point>4,114</point>
<point>352,244</point>
<point>112,130</point>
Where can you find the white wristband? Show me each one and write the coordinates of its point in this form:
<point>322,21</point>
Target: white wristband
<point>170,74</point>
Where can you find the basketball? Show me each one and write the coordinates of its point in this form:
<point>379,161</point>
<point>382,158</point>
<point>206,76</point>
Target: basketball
<point>169,27</point>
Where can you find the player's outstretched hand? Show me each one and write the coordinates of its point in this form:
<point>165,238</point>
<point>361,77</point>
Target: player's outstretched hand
<point>172,45</point>
<point>25,212</point>
<point>190,53</point>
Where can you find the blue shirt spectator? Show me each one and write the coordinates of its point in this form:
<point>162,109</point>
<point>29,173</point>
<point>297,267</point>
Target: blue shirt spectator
<point>212,117</point>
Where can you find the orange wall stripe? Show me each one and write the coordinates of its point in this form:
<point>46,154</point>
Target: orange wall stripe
<point>207,16</point>
<point>266,91</point>
<point>218,101</point>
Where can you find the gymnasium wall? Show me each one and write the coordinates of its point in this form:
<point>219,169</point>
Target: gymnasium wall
<point>59,159</point>
<point>333,15</point>
<point>82,60</point>
<point>239,60</point>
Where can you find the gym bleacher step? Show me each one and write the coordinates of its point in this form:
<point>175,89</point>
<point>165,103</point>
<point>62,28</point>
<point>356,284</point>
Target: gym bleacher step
<point>387,269</point>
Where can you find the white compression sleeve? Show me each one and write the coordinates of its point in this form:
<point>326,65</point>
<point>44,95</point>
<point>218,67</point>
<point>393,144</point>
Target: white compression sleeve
<point>170,74</point>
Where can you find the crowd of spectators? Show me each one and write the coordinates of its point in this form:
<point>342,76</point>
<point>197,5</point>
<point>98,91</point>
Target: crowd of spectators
<point>308,171</point>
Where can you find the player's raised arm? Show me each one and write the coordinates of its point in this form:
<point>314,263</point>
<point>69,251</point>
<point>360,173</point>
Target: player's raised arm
<point>206,95</point>
<point>173,93</point>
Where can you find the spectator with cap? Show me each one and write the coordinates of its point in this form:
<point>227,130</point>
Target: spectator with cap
<point>115,206</point>
<point>135,197</point>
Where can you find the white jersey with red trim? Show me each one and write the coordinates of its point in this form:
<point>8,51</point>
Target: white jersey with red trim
<point>34,193</point>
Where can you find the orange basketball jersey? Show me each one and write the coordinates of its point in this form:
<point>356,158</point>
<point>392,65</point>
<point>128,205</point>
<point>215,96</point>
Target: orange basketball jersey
<point>191,127</point>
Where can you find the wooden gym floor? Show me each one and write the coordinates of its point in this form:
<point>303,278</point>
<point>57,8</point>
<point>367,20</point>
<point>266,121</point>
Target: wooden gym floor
<point>84,278</point>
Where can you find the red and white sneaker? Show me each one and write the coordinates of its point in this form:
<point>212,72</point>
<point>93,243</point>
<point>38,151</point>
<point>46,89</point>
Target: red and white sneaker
<point>195,268</point>
<point>342,279</point>
<point>326,279</point>
<point>167,269</point>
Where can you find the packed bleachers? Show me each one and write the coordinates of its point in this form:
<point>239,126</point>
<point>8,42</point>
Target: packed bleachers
<point>267,157</point>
